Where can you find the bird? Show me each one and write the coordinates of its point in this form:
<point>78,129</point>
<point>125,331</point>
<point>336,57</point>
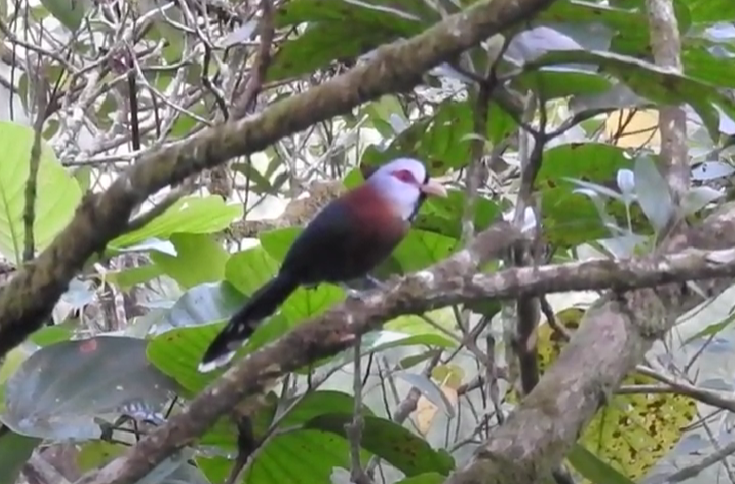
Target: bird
<point>346,239</point>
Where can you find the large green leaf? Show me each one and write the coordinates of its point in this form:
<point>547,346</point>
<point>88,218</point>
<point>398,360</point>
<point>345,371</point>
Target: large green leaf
<point>359,26</point>
<point>646,79</point>
<point>295,457</point>
<point>194,215</point>
<point>632,432</point>
<point>57,193</point>
<point>411,454</point>
<point>69,12</point>
<point>593,468</point>
<point>701,64</point>
<point>199,258</point>
<point>61,390</point>
<point>571,218</point>
<point>320,445</point>
<point>444,215</point>
<point>420,249</point>
<point>709,11</point>
<point>318,403</point>
<point>441,139</point>
<point>554,83</point>
<point>250,269</point>
<point>580,11</point>
<point>363,12</point>
<point>128,278</point>
<point>177,352</point>
<point>15,450</point>
<point>316,48</point>
<point>595,162</point>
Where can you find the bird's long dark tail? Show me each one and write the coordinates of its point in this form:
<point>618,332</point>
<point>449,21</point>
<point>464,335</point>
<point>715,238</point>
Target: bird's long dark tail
<point>261,304</point>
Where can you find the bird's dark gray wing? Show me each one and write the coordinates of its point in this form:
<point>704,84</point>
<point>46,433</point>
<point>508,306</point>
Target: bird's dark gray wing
<point>339,245</point>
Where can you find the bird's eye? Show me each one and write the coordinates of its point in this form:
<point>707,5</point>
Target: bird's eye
<point>405,176</point>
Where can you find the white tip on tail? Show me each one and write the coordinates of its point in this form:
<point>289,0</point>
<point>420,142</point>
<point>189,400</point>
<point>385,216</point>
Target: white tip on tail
<point>218,362</point>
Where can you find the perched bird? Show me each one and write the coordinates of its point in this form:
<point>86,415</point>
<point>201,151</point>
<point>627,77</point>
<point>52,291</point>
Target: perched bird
<point>349,237</point>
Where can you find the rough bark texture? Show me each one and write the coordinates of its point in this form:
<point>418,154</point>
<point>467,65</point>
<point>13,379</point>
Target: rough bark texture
<point>666,47</point>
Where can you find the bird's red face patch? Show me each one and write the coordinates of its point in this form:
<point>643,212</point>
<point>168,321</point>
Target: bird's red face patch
<point>405,176</point>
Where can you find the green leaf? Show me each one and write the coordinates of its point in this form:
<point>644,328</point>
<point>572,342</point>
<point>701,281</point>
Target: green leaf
<point>701,64</point>
<point>316,48</point>
<point>177,352</point>
<point>59,392</point>
<point>83,176</point>
<point>128,278</point>
<point>444,216</point>
<point>57,193</point>
<point>15,450</point>
<point>194,215</point>
<point>593,469</point>
<point>364,12</point>
<point>707,11</point>
<point>250,269</point>
<point>411,454</point>
<point>420,249</point>
<point>306,303</point>
<point>199,258</point>
<point>319,403</point>
<point>295,457</point>
<point>570,218</point>
<point>563,82</point>
<point>440,139</point>
<point>277,242</point>
<point>258,183</point>
<point>596,162</point>
<point>429,478</point>
<point>646,79</point>
<point>361,26</point>
<point>632,432</point>
<point>94,455</point>
<point>618,19</point>
<point>500,124</point>
<point>69,12</point>
<point>49,335</point>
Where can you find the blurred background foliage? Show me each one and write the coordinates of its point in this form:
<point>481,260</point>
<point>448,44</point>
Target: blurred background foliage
<point>120,354</point>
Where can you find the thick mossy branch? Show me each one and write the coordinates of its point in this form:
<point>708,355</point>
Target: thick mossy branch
<point>32,293</point>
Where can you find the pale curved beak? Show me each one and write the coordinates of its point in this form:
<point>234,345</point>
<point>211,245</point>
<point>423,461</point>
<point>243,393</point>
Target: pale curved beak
<point>434,188</point>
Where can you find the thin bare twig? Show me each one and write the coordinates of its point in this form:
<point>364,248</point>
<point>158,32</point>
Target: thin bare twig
<point>29,212</point>
<point>246,101</point>
<point>354,429</point>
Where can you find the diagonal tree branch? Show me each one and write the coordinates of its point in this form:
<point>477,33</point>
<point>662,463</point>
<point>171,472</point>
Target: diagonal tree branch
<point>609,344</point>
<point>32,293</point>
<point>323,336</point>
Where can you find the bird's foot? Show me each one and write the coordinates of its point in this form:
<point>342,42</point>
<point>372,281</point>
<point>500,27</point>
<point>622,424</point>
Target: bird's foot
<point>355,294</point>
<point>376,283</point>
